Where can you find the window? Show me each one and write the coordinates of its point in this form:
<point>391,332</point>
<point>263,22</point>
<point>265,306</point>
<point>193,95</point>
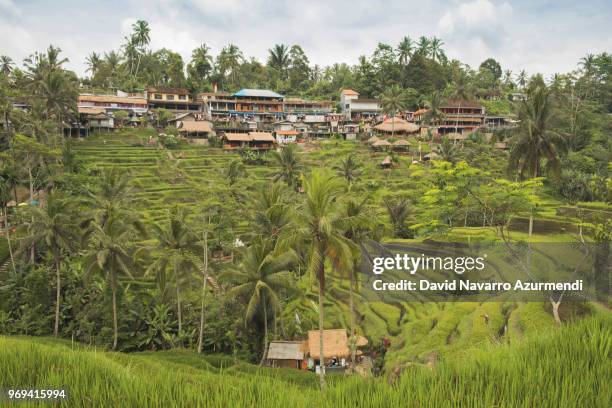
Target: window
<point>158,96</point>
<point>169,97</point>
<point>182,97</point>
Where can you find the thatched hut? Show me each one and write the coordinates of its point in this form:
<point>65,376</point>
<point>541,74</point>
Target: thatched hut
<point>456,137</point>
<point>396,125</point>
<point>335,344</point>
<point>373,139</point>
<point>431,156</point>
<point>287,354</point>
<point>387,162</point>
<point>381,144</point>
<point>401,144</point>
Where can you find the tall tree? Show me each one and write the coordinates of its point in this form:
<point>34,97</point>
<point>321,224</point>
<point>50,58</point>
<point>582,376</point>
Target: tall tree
<point>289,164</point>
<point>6,64</point>
<point>349,169</point>
<point>176,244</point>
<point>435,49</point>
<point>94,62</point>
<point>323,228</point>
<point>433,104</point>
<point>260,277</point>
<point>404,50</point>
<point>53,226</point>
<point>536,138</point>
<point>392,102</point>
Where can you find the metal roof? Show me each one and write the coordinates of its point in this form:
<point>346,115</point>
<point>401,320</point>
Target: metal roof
<point>260,93</point>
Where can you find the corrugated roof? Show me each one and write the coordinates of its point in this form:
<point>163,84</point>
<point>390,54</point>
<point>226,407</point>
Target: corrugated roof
<point>262,137</point>
<point>112,99</point>
<point>287,132</point>
<point>86,110</point>
<point>259,93</point>
<point>238,137</point>
<point>285,350</point>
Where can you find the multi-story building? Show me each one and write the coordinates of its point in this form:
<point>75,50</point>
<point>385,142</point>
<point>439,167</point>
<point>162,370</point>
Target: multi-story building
<point>356,108</point>
<point>459,116</point>
<point>134,104</point>
<point>173,99</point>
<point>301,107</point>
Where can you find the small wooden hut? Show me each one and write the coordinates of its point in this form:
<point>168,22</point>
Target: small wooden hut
<point>397,125</point>
<point>381,145</point>
<point>287,354</point>
<point>387,163</point>
<point>401,145</point>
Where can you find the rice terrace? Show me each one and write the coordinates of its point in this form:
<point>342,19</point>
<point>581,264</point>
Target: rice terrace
<point>188,220</point>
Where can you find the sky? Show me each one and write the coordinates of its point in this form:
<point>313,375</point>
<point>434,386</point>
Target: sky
<point>537,35</point>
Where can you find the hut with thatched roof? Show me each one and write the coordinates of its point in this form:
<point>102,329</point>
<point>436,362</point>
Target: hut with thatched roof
<point>381,144</point>
<point>396,125</point>
<point>401,144</point>
<point>455,137</point>
<point>373,139</point>
<point>387,162</point>
<point>287,354</point>
<point>431,156</point>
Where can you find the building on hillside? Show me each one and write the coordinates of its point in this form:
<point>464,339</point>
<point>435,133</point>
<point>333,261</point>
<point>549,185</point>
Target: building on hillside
<point>300,107</point>
<point>252,140</point>
<point>218,104</point>
<point>499,122</point>
<point>349,131</point>
<point>286,354</point>
<point>261,105</point>
<point>193,125</point>
<point>173,99</point>
<point>459,116</point>
<point>134,105</point>
<point>356,108</point>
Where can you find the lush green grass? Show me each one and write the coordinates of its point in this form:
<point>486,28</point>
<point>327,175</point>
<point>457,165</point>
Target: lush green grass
<point>561,367</point>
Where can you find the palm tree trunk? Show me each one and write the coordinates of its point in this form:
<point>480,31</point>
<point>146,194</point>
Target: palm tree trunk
<point>115,328</point>
<point>201,334</point>
<point>265,350</point>
<point>178,306</point>
<point>321,354</point>
<point>352,311</point>
<point>8,240</point>
<point>32,249</point>
<point>58,293</point>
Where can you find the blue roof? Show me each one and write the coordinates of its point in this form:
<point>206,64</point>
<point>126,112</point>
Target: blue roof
<point>260,93</point>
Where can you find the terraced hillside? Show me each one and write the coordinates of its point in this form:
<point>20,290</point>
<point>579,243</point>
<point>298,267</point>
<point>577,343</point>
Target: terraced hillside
<point>418,331</point>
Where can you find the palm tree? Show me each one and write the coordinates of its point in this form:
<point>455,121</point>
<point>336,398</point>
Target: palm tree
<point>360,223</point>
<point>521,79</point>
<point>271,212</point>
<point>322,221</point>
<point>393,100</point>
<point>278,59</point>
<point>229,59</point>
<point>260,277</point>
<point>6,64</point>
<point>349,169</point>
<point>434,114</point>
<point>290,165</point>
<point>398,211</point>
<point>53,226</point>
<point>5,197</point>
<point>112,196</point>
<point>235,171</point>
<point>201,61</point>
<point>423,46</point>
<point>94,62</point>
<point>109,250</point>
<point>435,48</point>
<point>447,150</point>
<point>404,50</point>
<point>112,60</point>
<point>535,138</point>
<point>142,38</point>
<point>176,244</point>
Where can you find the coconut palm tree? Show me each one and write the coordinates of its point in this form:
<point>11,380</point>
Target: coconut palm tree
<point>322,223</point>
<point>521,79</point>
<point>435,49</point>
<point>94,62</point>
<point>404,50</point>
<point>360,223</point>
<point>535,138</point>
<point>142,37</point>
<point>235,171</point>
<point>290,165</point>
<point>109,254</point>
<point>424,46</point>
<point>393,101</point>
<point>176,244</point>
<point>434,114</point>
<point>228,62</point>
<point>6,64</point>
<point>447,150</point>
<point>53,226</point>
<point>201,62</point>
<point>271,212</point>
<point>113,195</point>
<point>398,211</point>
<point>5,197</point>
<point>260,277</point>
<point>349,169</point>
<point>278,58</point>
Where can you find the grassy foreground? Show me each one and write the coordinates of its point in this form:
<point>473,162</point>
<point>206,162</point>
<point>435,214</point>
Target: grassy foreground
<point>565,367</point>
